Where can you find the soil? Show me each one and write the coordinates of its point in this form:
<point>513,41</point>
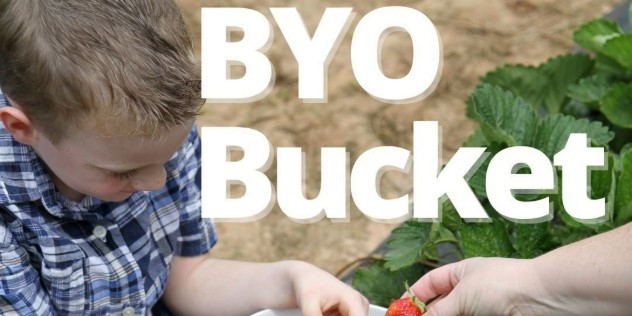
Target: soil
<point>477,36</point>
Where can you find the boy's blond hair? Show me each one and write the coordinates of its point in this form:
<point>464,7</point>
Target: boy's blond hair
<point>124,67</point>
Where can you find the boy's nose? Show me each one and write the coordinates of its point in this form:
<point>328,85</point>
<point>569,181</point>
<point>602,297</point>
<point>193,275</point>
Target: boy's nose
<point>150,178</point>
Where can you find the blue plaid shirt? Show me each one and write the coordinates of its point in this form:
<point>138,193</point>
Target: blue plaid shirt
<point>93,257</point>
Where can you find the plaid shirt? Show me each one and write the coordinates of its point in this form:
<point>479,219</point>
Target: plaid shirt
<point>93,257</point>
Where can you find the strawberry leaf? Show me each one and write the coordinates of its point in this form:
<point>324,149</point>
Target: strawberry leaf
<point>561,72</point>
<point>594,34</point>
<point>545,86</point>
<point>616,105</point>
<point>623,200</point>
<point>532,240</point>
<point>503,117</point>
<point>450,219</point>
<point>553,131</point>
<point>602,185</point>
<point>527,82</point>
<point>486,240</point>
<point>602,180</point>
<point>589,90</point>
<point>406,244</point>
<point>620,49</point>
<point>608,66</point>
<point>477,139</point>
<point>479,179</point>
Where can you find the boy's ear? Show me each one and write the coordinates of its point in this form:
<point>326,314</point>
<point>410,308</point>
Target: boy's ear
<point>18,124</point>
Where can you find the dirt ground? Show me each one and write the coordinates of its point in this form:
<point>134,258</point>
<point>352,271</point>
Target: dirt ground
<point>477,36</point>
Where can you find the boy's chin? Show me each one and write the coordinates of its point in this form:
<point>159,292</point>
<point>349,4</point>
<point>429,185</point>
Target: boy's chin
<point>116,197</point>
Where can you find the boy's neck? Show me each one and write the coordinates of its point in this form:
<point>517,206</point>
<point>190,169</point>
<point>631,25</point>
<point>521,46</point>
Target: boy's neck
<point>65,190</point>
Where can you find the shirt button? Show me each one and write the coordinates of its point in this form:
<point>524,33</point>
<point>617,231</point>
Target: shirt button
<point>128,311</point>
<point>101,232</point>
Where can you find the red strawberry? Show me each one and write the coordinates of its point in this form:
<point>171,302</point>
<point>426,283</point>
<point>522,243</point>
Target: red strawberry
<point>407,306</point>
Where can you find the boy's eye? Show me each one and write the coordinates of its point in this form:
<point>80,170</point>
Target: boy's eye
<point>124,175</point>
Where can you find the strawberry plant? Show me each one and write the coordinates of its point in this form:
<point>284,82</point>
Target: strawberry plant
<point>537,106</point>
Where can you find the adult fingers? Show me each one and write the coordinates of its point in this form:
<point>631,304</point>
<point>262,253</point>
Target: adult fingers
<point>448,305</point>
<point>437,282</point>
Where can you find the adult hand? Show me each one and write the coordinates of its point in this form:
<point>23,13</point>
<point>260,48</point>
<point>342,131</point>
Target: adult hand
<point>588,277</point>
<point>482,286</point>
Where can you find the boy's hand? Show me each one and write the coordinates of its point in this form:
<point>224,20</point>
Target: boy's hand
<point>204,285</point>
<point>319,293</point>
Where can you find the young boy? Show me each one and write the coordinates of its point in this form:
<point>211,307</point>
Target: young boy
<point>100,173</point>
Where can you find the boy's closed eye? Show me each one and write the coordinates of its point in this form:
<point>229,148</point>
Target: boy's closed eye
<point>123,175</point>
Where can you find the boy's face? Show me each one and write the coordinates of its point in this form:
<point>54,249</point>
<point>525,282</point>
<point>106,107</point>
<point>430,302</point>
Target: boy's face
<point>108,168</point>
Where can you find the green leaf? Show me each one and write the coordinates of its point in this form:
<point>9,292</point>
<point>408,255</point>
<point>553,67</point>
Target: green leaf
<point>438,234</point>
<point>532,239</point>
<point>478,181</point>
<point>503,117</point>
<point>545,86</point>
<point>602,185</point>
<point>623,198</point>
<point>565,235</point>
<point>444,234</point>
<point>553,132</point>
<point>381,286</point>
<point>605,65</point>
<point>577,108</point>
<point>594,34</point>
<point>527,82</point>
<point>450,217</point>
<point>406,244</point>
<point>477,139</point>
<point>569,221</point>
<point>616,105</point>
<point>561,72</point>
<point>610,204</point>
<point>485,240</point>
<point>589,90</point>
<point>430,254</point>
<point>601,180</point>
<point>620,49</point>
